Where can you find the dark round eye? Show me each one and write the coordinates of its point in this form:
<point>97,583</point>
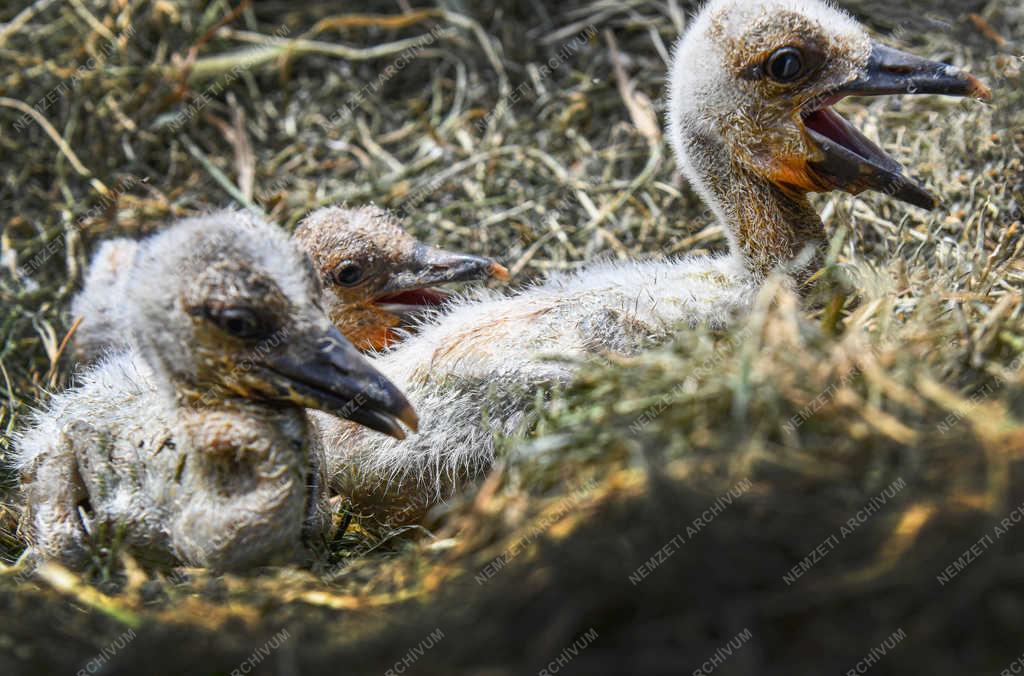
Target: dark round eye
<point>348,275</point>
<point>785,65</point>
<point>241,323</point>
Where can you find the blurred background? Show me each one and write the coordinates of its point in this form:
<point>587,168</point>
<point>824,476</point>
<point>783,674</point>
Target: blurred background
<point>531,131</point>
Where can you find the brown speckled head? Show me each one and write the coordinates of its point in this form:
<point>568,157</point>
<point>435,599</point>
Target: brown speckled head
<point>745,69</point>
<point>751,87</point>
<point>375,274</point>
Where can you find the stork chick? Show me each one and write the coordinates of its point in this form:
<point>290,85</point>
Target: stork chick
<point>191,447</point>
<point>751,90</point>
<point>377,279</point>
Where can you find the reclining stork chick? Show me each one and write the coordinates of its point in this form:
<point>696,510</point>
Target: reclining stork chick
<point>751,94</point>
<point>192,446</point>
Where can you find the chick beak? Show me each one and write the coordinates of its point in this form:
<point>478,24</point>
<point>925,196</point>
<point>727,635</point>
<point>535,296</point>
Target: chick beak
<point>428,267</point>
<point>329,374</point>
<point>890,71</point>
<point>432,267</point>
<point>847,160</point>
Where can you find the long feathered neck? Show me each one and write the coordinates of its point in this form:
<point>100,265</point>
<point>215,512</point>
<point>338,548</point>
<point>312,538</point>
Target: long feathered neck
<point>768,228</point>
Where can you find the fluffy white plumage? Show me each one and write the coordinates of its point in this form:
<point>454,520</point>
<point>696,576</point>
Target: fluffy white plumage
<point>474,372</point>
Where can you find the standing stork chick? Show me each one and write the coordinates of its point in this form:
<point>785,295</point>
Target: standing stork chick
<point>377,279</point>
<point>192,447</point>
<point>751,90</point>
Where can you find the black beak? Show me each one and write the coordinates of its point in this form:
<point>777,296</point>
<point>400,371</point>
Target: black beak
<point>890,71</point>
<point>849,161</point>
<point>429,266</point>
<point>332,376</point>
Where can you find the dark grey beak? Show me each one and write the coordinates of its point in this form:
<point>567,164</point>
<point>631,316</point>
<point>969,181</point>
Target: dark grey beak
<point>846,159</point>
<point>429,266</point>
<point>329,374</point>
<point>890,71</point>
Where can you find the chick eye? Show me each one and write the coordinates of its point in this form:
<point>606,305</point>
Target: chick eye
<point>241,323</point>
<point>349,275</point>
<point>785,65</point>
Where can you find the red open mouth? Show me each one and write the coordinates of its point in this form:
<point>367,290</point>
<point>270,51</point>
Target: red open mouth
<point>842,158</point>
<point>848,160</point>
<point>830,124</point>
<point>412,300</point>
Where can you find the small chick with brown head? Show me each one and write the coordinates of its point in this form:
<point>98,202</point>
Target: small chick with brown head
<point>376,276</point>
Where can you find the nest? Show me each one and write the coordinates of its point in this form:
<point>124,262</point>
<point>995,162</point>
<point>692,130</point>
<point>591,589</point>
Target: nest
<point>665,505</point>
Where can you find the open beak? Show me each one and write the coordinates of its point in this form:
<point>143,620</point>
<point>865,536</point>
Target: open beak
<point>329,374</point>
<point>428,267</point>
<point>844,158</point>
